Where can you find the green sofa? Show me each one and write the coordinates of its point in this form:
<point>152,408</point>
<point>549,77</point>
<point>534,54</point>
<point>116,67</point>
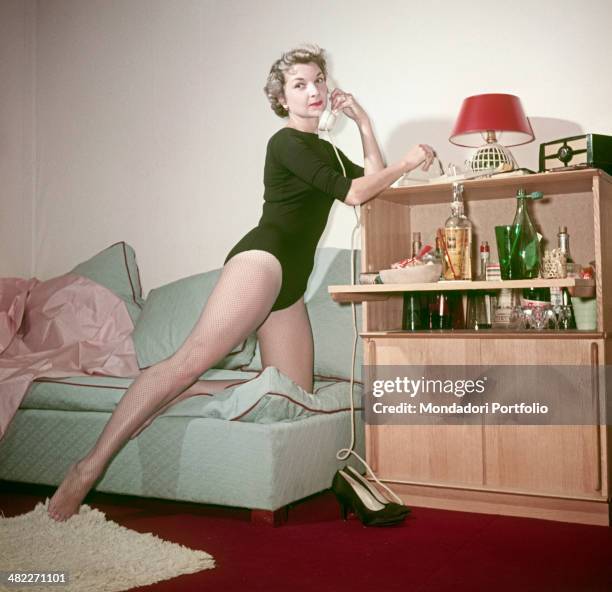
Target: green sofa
<point>248,447</point>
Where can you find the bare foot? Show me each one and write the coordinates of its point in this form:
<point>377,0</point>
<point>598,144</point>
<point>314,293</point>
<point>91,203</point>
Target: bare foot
<point>66,501</point>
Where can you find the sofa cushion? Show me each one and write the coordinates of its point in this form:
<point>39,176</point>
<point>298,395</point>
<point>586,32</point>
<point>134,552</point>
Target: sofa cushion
<point>76,393</point>
<point>270,397</point>
<point>267,397</point>
<point>332,322</point>
<point>169,315</point>
<point>115,268</point>
<point>96,393</point>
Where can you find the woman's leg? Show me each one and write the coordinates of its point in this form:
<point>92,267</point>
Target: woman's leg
<point>285,341</point>
<point>199,387</point>
<point>237,306</point>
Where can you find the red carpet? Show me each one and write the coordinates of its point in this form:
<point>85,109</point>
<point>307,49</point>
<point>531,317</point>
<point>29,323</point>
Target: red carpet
<point>316,551</point>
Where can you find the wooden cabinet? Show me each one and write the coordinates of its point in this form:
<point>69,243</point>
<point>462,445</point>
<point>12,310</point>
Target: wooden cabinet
<point>555,460</point>
<point>550,471</point>
<point>424,453</point>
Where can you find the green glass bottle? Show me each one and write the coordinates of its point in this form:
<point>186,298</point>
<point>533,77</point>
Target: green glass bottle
<point>525,246</point>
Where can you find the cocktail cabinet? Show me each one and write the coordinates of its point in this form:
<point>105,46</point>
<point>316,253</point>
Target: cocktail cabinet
<point>558,472</point>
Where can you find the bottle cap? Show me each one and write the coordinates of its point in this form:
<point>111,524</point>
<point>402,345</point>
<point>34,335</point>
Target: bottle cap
<point>484,247</point>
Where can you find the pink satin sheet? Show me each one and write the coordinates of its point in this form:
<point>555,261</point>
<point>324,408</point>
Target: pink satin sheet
<point>66,326</point>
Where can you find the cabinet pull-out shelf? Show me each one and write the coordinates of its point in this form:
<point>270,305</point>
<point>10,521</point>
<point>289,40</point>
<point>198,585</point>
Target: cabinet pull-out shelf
<point>369,292</point>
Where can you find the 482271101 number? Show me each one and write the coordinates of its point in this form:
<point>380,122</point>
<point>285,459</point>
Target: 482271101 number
<point>21,578</point>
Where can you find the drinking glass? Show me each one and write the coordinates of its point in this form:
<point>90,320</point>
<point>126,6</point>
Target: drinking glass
<point>551,319</point>
<point>539,317</point>
<point>503,237</point>
<point>526,314</point>
<point>518,320</point>
<point>478,317</point>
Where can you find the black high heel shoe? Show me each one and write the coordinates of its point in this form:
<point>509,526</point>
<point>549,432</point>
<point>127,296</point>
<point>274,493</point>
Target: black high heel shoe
<point>378,495</point>
<point>352,495</point>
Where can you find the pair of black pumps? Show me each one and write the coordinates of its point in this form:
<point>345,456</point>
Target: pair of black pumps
<point>357,494</point>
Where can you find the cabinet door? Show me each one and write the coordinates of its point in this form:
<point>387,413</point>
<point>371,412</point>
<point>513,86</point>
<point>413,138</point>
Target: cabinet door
<point>436,454</point>
<point>547,459</point>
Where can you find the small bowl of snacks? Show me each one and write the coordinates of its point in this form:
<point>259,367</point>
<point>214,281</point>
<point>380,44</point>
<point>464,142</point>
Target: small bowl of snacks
<point>425,273</point>
<point>422,269</point>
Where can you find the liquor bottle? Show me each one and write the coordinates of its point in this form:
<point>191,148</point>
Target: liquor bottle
<point>505,306</point>
<point>556,294</point>
<point>417,245</point>
<point>438,252</point>
<point>458,239</point>
<point>485,254</point>
<point>489,298</point>
<point>416,313</point>
<point>568,320</point>
<point>564,247</point>
<point>525,248</point>
<point>439,311</point>
<point>535,297</point>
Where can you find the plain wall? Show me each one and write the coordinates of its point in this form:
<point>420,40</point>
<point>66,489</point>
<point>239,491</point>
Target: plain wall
<point>17,135</point>
<point>145,120</point>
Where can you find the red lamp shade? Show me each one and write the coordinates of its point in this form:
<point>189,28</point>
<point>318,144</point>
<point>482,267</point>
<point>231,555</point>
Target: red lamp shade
<point>491,112</point>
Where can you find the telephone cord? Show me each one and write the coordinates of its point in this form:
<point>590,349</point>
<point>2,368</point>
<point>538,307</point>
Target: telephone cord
<point>345,453</point>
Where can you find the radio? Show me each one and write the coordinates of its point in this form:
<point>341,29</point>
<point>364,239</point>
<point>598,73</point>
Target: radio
<point>589,150</point>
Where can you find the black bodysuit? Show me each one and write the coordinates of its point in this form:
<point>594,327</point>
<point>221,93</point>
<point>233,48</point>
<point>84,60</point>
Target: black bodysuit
<point>302,177</point>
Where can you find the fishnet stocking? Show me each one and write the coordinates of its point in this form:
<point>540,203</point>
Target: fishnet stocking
<point>285,342</point>
<point>200,387</point>
<point>238,305</point>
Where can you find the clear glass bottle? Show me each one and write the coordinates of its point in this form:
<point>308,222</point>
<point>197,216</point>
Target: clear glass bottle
<point>564,247</point>
<point>568,320</point>
<point>417,245</point>
<point>458,239</point>
<point>525,256</point>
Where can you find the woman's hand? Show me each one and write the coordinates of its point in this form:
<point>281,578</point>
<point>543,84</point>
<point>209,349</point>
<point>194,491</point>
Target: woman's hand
<point>345,102</point>
<point>421,153</point>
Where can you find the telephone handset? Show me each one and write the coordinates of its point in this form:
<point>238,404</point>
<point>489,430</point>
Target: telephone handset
<point>326,123</point>
<point>328,117</point>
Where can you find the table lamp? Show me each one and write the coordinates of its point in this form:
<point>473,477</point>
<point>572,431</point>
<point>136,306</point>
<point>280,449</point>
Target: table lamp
<point>482,117</point>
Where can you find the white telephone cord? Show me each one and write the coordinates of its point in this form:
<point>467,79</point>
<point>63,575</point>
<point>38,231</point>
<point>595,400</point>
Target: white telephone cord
<point>344,453</point>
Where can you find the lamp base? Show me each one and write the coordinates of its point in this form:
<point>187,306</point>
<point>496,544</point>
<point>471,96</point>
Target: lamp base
<point>490,156</point>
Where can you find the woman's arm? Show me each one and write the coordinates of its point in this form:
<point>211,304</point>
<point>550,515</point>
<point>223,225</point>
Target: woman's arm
<point>365,188</point>
<point>377,177</point>
<point>372,158</point>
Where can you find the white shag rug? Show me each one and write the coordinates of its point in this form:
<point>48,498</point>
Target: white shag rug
<point>97,554</point>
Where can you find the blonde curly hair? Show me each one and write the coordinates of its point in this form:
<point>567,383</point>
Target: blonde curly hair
<point>304,54</point>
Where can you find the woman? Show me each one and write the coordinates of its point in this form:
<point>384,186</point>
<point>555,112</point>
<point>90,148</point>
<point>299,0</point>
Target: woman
<point>264,277</point>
